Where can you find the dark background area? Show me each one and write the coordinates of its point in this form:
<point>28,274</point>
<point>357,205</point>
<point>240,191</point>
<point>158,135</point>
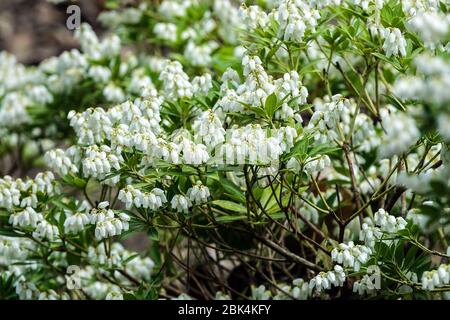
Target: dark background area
<point>33,30</point>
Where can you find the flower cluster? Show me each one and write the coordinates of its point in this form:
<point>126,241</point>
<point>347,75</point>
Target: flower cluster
<point>302,290</point>
<point>261,138</point>
<point>351,255</point>
<point>149,200</point>
<point>436,278</point>
<point>198,194</point>
<point>107,222</point>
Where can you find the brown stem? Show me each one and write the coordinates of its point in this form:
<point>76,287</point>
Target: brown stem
<point>354,188</point>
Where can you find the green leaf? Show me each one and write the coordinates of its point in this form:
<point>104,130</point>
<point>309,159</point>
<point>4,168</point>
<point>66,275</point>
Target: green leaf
<point>386,59</point>
<point>133,256</point>
<point>229,205</point>
<point>273,50</point>
<point>322,149</point>
<point>410,257</point>
<point>112,4</point>
<point>300,149</point>
<point>10,233</point>
<point>129,296</point>
<point>271,104</point>
<point>232,190</point>
<point>395,101</point>
<point>257,110</point>
<point>58,203</point>
<point>152,232</point>
<point>75,181</point>
<point>230,218</point>
<point>155,253</point>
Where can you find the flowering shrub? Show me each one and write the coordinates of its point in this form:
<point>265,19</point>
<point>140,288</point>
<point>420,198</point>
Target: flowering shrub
<point>286,149</point>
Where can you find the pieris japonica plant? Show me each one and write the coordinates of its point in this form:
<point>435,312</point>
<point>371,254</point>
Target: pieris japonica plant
<point>289,149</point>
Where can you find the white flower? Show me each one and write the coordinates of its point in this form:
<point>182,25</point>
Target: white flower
<point>166,31</point>
<point>107,222</point>
<point>13,248</point>
<point>45,230</point>
<point>300,290</point>
<point>431,26</point>
<point>26,290</point>
<point>229,18</point>
<point>43,182</point>
<point>389,223</point>
<point>198,194</point>
<point>325,280</point>
<point>94,48</point>
<point>113,93</point>
<point>208,129</point>
<point>436,278</point>
<point>251,144</point>
<point>40,94</point>
<point>99,161</point>
<point>401,133</point>
<point>130,15</point>
<point>111,226</point>
<point>294,165</point>
<point>91,126</point>
<point>443,127</point>
<point>199,55</point>
<point>202,84</point>
<point>27,218</point>
<point>260,293</point>
<point>174,8</point>
<point>365,285</point>
<point>151,200</point>
<point>13,110</point>
<point>229,102</point>
<point>58,160</point>
<point>394,42</point>
<point>332,117</point>
<point>76,222</point>
<point>351,255</point>
<point>140,268</point>
<point>141,84</point>
<point>230,78</point>
<point>294,18</point>
<point>169,152</point>
<point>193,153</point>
<point>100,214</point>
<point>175,82</point>
<point>180,203</point>
<point>430,84</point>
<point>369,234</point>
<point>100,74</point>
<point>9,193</point>
<point>316,164</point>
<point>254,17</point>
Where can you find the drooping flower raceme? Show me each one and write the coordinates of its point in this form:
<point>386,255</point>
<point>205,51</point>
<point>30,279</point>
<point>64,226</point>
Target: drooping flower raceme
<point>351,255</point>
<point>181,203</point>
<point>198,193</point>
<point>151,200</point>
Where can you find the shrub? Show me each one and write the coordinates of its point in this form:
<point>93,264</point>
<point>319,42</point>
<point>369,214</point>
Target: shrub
<point>282,149</point>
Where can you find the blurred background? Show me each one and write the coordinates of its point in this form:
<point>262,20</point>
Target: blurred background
<point>33,30</point>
